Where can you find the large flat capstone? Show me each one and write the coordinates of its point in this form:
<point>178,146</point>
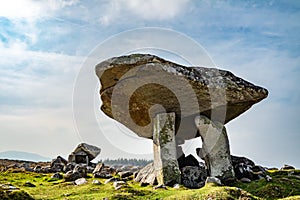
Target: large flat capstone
<point>134,88</point>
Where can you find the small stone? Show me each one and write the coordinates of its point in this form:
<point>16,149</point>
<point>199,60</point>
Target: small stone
<point>119,184</point>
<point>8,187</point>
<point>245,180</point>
<point>37,168</point>
<point>176,186</point>
<point>125,174</point>
<point>113,179</point>
<point>80,181</point>
<point>69,167</point>
<point>159,187</point>
<point>72,176</point>
<point>268,178</point>
<point>96,182</point>
<point>287,167</point>
<point>98,168</point>
<point>213,180</point>
<point>57,176</point>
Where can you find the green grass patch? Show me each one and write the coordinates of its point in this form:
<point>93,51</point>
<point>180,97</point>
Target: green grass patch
<point>285,185</point>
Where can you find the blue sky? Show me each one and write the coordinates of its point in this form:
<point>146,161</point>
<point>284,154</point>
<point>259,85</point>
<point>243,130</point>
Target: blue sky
<point>43,45</point>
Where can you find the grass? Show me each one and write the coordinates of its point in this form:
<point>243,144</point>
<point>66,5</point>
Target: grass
<point>285,185</point>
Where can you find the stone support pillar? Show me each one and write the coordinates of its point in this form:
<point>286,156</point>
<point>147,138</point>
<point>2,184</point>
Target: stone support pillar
<point>164,149</point>
<point>215,148</point>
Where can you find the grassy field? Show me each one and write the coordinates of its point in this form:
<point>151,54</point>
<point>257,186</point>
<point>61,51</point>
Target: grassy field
<point>282,186</point>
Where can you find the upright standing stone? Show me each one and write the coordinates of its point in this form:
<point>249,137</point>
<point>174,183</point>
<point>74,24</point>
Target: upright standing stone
<point>215,148</point>
<point>164,147</point>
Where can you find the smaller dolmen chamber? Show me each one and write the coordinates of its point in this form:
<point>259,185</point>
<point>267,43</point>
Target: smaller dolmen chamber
<point>84,153</point>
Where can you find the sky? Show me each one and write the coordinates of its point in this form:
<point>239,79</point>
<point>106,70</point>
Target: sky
<point>49,99</point>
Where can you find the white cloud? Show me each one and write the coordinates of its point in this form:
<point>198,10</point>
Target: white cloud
<point>30,9</point>
<point>145,10</point>
<point>155,9</point>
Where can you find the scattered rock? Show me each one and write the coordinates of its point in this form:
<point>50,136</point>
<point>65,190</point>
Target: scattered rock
<point>125,174</point>
<point>46,169</point>
<point>159,187</point>
<point>80,169</point>
<point>113,179</point>
<point>58,164</point>
<point>102,171</point>
<point>119,184</point>
<point>238,160</point>
<point>72,176</point>
<point>287,167</point>
<point>37,168</point>
<point>25,166</point>
<point>213,180</point>
<point>8,187</point>
<point>80,181</point>
<point>96,182</point>
<point>268,178</point>
<point>102,175</point>
<point>193,177</point>
<point>176,186</point>
<point>69,167</point>
<point>57,175</point>
<point>147,175</point>
<point>13,166</point>
<point>98,168</point>
<point>245,180</point>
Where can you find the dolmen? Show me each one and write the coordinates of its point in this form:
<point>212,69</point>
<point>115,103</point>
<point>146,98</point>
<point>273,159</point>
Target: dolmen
<point>170,103</point>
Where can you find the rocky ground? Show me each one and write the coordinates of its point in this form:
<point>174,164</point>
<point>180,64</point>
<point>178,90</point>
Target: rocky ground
<point>61,180</point>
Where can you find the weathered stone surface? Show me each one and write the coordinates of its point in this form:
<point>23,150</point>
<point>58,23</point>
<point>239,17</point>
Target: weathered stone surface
<point>213,180</point>
<point>246,168</point>
<point>98,168</point>
<point>125,174</point>
<point>164,149</point>
<point>193,176</point>
<point>113,179</point>
<point>102,171</point>
<point>80,181</point>
<point>287,167</point>
<point>147,175</point>
<point>57,175</point>
<point>79,171</point>
<point>119,184</point>
<point>96,182</point>
<point>58,164</point>
<point>84,153</point>
<point>215,150</point>
<point>131,86</point>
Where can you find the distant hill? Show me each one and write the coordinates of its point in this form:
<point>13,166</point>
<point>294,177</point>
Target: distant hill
<point>20,155</point>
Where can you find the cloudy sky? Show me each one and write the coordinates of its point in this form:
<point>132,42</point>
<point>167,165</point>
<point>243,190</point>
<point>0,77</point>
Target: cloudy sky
<point>48,50</point>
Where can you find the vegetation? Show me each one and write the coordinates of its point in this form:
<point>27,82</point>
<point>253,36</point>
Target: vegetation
<point>284,185</point>
<point>126,161</point>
